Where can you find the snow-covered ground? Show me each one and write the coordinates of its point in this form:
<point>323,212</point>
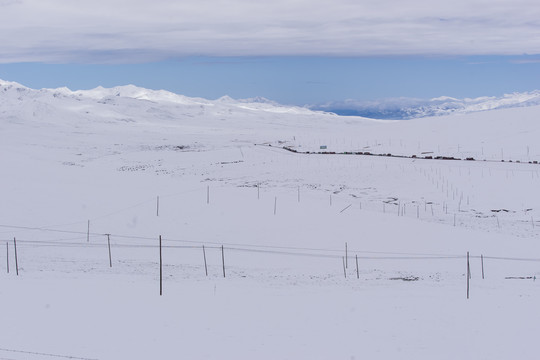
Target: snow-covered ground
<point>98,160</point>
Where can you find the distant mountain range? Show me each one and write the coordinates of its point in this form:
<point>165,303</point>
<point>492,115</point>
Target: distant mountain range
<point>14,93</point>
<point>385,109</point>
<point>411,108</point>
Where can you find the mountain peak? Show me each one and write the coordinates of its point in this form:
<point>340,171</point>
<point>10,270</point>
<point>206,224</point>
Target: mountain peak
<point>226,99</point>
<point>11,85</point>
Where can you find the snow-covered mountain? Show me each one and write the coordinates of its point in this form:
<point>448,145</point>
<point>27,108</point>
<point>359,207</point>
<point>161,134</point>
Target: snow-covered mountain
<point>14,91</point>
<point>409,108</point>
<point>388,109</point>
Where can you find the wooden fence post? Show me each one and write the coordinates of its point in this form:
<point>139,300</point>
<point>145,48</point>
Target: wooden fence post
<point>204,256</point>
<point>223,259</point>
<point>482,260</point>
<point>160,269</point>
<point>357,272</point>
<point>109,244</point>
<point>468,274</point>
<point>469,268</point>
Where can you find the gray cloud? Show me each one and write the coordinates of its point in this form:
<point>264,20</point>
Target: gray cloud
<point>10,2</point>
<point>139,30</point>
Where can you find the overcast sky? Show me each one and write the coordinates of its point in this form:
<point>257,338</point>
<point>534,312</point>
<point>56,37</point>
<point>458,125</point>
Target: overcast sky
<point>105,33</point>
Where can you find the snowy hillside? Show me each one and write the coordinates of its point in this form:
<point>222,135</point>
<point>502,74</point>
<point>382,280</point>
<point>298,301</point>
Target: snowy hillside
<point>410,108</point>
<point>306,256</point>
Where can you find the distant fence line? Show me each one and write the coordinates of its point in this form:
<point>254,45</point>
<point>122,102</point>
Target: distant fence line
<point>369,153</point>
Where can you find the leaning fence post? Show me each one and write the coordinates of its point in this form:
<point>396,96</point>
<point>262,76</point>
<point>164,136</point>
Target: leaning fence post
<point>223,259</point>
<point>109,244</point>
<point>357,272</point>
<point>204,256</point>
<point>482,260</point>
<point>344,270</point>
<point>16,260</point>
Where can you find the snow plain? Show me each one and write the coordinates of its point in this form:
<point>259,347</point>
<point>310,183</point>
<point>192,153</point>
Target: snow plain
<point>283,219</point>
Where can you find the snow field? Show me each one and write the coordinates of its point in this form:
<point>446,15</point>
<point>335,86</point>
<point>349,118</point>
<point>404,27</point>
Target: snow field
<point>271,304</point>
<point>72,158</point>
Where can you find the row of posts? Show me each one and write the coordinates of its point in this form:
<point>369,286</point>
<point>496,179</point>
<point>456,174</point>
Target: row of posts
<point>345,262</point>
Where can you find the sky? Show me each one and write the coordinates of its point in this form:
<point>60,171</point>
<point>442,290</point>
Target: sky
<point>292,51</point>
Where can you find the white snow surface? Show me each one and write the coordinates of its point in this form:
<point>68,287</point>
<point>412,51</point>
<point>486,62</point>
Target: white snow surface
<point>104,156</point>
